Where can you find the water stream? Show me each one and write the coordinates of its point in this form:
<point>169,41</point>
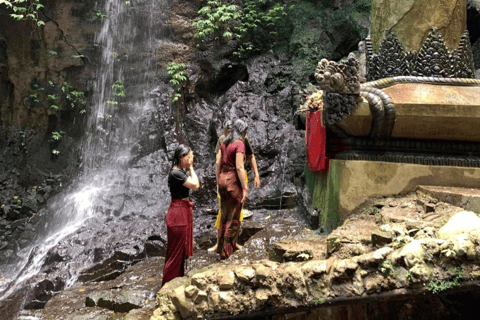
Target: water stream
<point>113,129</point>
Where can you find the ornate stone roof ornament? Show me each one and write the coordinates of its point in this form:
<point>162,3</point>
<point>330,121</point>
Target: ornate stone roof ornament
<point>433,59</point>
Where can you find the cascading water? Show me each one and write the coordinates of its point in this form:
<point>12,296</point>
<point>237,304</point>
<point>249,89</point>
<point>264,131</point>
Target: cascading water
<point>113,129</point>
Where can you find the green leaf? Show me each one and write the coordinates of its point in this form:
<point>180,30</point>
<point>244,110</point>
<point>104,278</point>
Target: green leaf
<point>40,23</point>
<point>7,3</point>
<point>17,16</point>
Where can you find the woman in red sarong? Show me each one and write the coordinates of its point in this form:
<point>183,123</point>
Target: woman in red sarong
<point>179,216</point>
<point>232,187</point>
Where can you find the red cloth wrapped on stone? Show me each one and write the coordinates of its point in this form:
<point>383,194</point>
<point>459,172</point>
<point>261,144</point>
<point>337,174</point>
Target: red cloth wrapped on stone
<point>316,141</point>
<point>179,220</point>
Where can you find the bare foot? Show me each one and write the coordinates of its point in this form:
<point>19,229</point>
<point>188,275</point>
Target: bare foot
<point>238,247</point>
<point>212,249</point>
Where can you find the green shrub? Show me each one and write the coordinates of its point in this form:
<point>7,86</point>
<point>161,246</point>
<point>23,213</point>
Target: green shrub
<point>24,10</point>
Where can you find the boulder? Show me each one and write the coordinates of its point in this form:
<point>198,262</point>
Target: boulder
<point>461,222</point>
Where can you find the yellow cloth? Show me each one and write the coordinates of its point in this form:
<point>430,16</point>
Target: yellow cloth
<point>219,215</point>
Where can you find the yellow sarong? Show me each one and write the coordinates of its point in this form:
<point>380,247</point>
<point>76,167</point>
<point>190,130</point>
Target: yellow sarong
<point>219,215</point>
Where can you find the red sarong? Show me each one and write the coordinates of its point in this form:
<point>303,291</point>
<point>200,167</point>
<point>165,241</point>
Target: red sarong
<point>179,220</point>
<point>316,141</point>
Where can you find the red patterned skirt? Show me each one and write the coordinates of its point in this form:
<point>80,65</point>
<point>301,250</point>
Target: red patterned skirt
<point>179,220</point>
<point>230,190</point>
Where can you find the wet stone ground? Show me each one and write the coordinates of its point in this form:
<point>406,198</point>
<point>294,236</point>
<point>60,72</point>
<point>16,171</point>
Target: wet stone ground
<point>131,294</point>
<point>395,253</point>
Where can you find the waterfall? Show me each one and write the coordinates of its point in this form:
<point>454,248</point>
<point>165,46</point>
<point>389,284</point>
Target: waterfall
<point>112,130</point>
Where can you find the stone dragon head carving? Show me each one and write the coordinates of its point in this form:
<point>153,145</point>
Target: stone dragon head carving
<point>339,77</point>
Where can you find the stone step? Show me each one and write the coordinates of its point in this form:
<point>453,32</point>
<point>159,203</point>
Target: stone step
<point>467,198</point>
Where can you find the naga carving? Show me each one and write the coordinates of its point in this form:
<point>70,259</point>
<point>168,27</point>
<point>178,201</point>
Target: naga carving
<point>340,81</point>
<point>342,94</point>
<point>338,77</point>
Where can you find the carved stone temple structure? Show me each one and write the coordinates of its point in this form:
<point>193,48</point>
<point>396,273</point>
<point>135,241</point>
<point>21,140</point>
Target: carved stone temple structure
<point>416,121</point>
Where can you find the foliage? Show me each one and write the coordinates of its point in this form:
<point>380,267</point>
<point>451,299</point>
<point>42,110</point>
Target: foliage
<point>34,97</point>
<point>119,89</point>
<point>119,92</point>
<point>74,98</point>
<point>229,21</point>
<point>437,286</point>
<point>24,10</point>
<point>178,78</point>
<point>352,15</point>
<point>58,135</point>
<point>217,16</point>
<point>409,276</point>
<point>98,15</point>
<point>305,31</point>
<point>312,32</point>
<point>388,269</point>
<point>53,95</point>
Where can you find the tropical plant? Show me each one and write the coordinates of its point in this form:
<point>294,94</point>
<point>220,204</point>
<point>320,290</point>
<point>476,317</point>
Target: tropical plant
<point>233,22</point>
<point>73,97</point>
<point>119,88</point>
<point>178,78</point>
<point>98,15</point>
<point>58,135</point>
<point>24,10</point>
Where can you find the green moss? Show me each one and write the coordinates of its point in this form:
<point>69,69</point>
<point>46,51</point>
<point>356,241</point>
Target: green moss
<point>325,191</point>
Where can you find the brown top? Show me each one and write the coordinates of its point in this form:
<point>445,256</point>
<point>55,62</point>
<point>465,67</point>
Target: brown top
<point>228,161</point>
<point>248,146</point>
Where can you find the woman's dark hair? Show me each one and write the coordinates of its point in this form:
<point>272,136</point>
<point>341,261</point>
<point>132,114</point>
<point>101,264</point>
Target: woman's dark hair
<point>239,130</point>
<point>180,152</point>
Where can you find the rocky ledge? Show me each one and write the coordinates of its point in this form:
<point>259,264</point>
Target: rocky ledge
<point>391,259</point>
<point>398,246</point>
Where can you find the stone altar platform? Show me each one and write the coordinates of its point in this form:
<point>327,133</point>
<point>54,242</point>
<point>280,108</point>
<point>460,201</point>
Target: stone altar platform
<point>426,111</point>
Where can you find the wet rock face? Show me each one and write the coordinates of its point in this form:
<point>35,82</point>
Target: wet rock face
<point>279,147</point>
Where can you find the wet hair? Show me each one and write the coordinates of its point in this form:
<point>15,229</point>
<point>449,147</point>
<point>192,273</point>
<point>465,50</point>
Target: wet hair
<point>239,130</point>
<point>180,152</point>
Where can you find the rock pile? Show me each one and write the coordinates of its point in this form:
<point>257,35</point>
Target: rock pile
<point>414,243</point>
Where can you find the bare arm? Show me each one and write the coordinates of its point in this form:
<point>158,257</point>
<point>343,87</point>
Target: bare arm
<point>217,165</point>
<point>256,182</point>
<point>192,181</point>
<point>218,158</point>
<point>241,174</point>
